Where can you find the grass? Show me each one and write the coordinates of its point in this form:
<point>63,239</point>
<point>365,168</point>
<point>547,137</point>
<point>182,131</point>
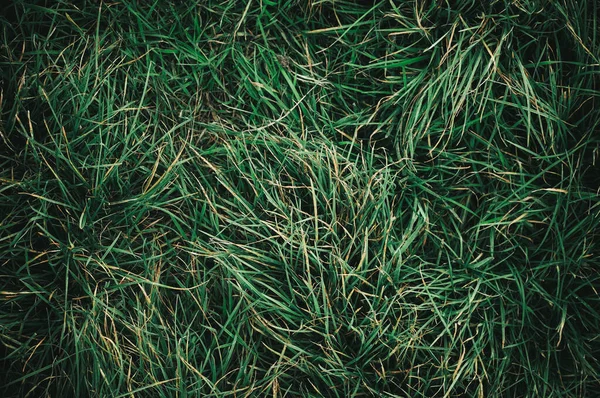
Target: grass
<point>300,198</point>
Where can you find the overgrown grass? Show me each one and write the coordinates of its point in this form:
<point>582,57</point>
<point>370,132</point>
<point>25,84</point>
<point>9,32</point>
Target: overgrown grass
<point>300,198</point>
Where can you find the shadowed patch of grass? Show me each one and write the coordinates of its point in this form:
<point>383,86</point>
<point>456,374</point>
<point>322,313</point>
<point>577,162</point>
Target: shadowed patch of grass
<point>300,198</point>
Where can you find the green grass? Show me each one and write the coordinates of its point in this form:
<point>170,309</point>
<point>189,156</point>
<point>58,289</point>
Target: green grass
<point>300,198</point>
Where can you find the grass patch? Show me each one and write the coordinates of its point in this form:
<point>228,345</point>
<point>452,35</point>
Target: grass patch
<point>300,198</point>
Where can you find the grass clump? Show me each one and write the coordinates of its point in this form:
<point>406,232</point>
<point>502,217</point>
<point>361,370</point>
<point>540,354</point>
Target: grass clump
<point>300,198</point>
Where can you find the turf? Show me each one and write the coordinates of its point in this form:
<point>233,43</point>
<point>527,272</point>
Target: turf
<point>300,198</point>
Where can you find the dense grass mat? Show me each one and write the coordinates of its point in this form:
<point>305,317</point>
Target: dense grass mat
<point>300,198</point>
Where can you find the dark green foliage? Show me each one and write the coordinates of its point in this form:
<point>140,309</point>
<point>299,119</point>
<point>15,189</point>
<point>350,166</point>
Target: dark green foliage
<point>300,198</point>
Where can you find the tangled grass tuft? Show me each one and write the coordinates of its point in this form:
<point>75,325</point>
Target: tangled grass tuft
<point>300,198</point>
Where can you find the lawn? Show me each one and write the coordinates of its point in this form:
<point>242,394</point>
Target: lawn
<point>300,198</point>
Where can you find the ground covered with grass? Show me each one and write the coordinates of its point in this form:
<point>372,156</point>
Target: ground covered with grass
<point>296,198</point>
